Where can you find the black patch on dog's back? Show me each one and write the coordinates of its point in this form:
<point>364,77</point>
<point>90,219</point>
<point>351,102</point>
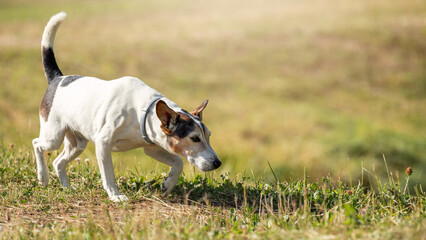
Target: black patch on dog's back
<point>69,79</point>
<point>46,103</point>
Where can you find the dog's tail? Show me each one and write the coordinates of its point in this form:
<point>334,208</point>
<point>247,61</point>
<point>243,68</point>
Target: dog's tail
<point>51,68</point>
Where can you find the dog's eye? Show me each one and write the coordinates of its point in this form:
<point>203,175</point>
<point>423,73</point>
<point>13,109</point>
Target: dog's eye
<point>195,139</point>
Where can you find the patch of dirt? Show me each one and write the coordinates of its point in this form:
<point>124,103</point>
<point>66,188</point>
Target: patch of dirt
<point>101,213</point>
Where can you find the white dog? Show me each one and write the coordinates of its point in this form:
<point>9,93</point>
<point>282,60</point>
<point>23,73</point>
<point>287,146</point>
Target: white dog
<point>117,115</point>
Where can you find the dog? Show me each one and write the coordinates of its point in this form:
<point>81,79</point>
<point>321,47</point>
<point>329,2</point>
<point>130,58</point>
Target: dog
<point>117,115</point>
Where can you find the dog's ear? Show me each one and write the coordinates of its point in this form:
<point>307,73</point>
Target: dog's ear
<point>167,116</point>
<point>198,112</point>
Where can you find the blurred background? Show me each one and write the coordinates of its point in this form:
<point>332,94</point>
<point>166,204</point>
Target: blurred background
<point>328,86</point>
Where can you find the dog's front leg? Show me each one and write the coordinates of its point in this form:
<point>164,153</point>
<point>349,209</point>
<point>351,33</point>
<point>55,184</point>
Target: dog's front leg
<point>172,160</point>
<point>103,153</point>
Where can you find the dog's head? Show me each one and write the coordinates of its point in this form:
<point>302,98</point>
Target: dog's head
<point>188,136</point>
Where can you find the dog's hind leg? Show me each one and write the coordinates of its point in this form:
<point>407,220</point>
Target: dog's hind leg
<point>73,146</point>
<point>172,160</point>
<point>49,139</point>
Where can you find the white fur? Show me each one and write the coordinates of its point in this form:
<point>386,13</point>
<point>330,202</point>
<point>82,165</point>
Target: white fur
<point>50,30</point>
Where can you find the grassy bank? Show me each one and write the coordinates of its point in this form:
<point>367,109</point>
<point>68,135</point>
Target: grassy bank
<point>203,206</point>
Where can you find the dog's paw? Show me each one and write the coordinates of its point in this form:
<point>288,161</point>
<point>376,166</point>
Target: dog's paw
<point>43,183</point>
<point>166,190</point>
<point>43,179</point>
<point>119,198</point>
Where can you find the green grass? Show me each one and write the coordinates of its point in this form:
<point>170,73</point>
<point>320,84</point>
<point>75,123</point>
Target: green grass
<point>202,206</point>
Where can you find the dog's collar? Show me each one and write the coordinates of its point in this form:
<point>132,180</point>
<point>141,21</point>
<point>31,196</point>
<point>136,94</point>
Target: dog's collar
<point>143,120</point>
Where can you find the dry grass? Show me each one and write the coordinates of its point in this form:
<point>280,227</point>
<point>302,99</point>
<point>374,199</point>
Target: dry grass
<point>321,85</point>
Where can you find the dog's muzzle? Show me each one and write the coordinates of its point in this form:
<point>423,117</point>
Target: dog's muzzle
<point>216,163</point>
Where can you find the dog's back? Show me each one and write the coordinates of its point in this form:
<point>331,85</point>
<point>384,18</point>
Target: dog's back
<point>101,102</point>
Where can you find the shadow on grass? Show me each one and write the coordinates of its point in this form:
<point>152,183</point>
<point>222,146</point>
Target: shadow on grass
<point>248,194</point>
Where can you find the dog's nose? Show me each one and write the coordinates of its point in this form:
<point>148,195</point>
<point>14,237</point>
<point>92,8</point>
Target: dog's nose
<point>216,163</point>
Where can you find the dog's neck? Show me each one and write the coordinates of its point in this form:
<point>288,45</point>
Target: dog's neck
<point>144,115</point>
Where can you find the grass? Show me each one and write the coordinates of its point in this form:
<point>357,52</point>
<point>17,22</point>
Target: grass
<point>202,207</point>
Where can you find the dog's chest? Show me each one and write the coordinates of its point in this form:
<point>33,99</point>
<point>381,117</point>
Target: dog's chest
<point>122,145</point>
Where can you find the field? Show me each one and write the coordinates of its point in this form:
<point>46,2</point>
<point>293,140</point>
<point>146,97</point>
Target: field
<point>307,97</point>
<point>202,207</point>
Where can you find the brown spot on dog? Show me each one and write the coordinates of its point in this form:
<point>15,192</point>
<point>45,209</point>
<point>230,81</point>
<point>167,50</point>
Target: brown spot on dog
<point>46,103</point>
<point>176,144</point>
<point>184,146</point>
